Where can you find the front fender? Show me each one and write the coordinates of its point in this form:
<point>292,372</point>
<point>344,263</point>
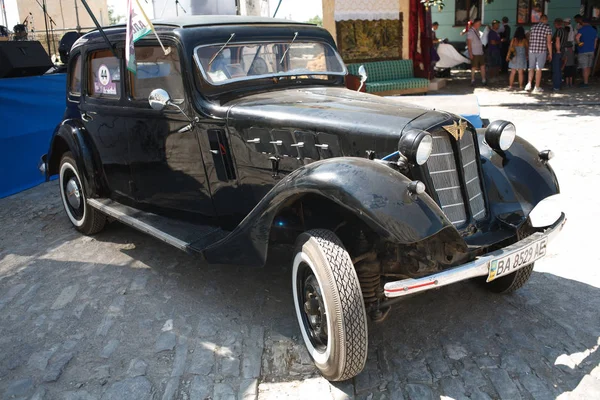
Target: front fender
<point>375,193</point>
<point>72,136</point>
<point>516,180</point>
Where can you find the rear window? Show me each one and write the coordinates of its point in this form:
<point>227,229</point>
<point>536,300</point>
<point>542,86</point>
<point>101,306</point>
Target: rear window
<point>156,71</point>
<point>104,75</point>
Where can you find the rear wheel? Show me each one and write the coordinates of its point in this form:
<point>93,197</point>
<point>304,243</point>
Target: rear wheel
<point>511,282</point>
<point>329,305</point>
<point>83,217</point>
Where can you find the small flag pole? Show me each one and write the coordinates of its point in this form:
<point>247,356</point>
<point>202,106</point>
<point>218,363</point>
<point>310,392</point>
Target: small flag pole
<point>165,50</point>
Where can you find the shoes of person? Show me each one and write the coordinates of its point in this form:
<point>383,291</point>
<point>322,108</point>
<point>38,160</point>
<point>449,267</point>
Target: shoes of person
<point>528,87</point>
<point>538,90</point>
<point>484,83</point>
<point>472,83</point>
<point>584,85</point>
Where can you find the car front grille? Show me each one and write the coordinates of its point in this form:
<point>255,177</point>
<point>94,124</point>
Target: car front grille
<point>456,180</point>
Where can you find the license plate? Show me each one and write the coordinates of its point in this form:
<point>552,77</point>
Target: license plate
<point>517,259</point>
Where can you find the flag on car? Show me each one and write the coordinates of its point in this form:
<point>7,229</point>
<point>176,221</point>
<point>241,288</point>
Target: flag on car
<point>138,26</point>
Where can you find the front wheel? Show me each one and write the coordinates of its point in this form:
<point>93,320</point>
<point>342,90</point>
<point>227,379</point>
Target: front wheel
<point>329,305</point>
<point>511,282</point>
<point>83,217</point>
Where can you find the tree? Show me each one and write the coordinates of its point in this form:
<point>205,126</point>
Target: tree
<point>316,20</point>
<point>112,18</point>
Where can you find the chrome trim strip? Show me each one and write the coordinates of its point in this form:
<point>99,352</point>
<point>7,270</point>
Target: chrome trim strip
<point>137,224</point>
<point>471,180</point>
<point>448,188</point>
<point>475,268</point>
<point>469,163</point>
<point>441,154</point>
<point>466,147</point>
<point>441,172</point>
<point>479,213</point>
<point>452,205</point>
<point>474,197</point>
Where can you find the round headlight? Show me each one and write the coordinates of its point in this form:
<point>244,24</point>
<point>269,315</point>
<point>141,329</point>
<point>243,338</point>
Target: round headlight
<point>500,135</point>
<point>416,146</point>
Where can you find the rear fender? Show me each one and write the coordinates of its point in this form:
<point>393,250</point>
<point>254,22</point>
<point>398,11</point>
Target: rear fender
<point>374,193</point>
<point>72,136</point>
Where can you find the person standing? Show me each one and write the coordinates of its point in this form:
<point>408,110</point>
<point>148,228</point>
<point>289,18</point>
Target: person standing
<point>540,51</point>
<point>494,51</point>
<point>475,49</point>
<point>434,38</point>
<point>517,57</point>
<point>586,39</point>
<point>504,32</point>
<point>559,41</point>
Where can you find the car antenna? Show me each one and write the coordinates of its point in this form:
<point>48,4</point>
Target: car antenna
<point>110,46</point>
<point>286,50</point>
<point>221,49</point>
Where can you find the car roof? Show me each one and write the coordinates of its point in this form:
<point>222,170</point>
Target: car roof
<point>208,20</point>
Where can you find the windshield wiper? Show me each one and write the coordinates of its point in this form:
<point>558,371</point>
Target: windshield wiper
<point>286,50</point>
<point>221,49</point>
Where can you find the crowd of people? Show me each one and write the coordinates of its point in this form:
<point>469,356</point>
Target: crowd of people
<point>568,48</point>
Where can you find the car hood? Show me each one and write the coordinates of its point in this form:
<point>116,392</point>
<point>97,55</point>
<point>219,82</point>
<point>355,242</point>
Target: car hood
<point>361,121</point>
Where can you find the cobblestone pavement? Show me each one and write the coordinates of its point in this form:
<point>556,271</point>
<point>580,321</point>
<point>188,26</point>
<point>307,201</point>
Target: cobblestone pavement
<point>123,316</point>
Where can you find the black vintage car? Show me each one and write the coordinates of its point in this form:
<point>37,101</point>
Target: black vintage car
<point>244,135</point>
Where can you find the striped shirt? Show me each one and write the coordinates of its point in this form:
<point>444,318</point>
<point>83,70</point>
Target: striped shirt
<point>538,38</point>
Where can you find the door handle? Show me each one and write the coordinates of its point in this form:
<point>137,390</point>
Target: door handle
<point>86,117</point>
<point>322,146</point>
<point>255,140</point>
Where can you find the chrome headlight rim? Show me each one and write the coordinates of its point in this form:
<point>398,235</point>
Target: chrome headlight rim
<point>416,145</point>
<point>500,135</point>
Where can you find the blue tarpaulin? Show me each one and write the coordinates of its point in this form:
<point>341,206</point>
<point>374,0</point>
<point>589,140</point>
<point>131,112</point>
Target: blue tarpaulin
<point>30,110</point>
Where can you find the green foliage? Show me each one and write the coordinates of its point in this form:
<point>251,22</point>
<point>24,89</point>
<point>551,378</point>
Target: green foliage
<point>316,20</point>
<point>112,18</point>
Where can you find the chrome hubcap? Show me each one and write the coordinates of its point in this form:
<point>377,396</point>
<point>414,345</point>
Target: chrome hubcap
<point>73,194</point>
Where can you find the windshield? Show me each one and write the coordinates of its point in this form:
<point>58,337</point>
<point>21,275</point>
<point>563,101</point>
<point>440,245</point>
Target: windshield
<point>236,61</point>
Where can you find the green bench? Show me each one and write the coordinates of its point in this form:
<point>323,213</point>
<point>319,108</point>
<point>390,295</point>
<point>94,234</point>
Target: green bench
<point>391,77</point>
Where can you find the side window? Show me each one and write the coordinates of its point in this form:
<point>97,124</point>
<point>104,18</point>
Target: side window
<point>75,76</point>
<point>104,75</point>
<point>154,71</point>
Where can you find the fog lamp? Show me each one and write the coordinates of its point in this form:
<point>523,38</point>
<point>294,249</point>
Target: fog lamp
<point>546,155</point>
<point>500,135</point>
<point>416,146</point>
<point>416,187</point>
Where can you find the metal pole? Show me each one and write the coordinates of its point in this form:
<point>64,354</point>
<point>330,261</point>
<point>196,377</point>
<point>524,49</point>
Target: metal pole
<point>46,24</point>
<point>77,17</point>
<point>87,8</point>
<point>4,14</point>
<point>277,9</point>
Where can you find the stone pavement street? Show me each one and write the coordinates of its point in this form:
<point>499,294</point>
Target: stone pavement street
<point>123,316</point>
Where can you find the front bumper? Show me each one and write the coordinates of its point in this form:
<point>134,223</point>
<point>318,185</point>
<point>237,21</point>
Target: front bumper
<point>475,268</point>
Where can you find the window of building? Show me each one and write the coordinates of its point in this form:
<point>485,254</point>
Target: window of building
<point>466,10</point>
<point>588,10</point>
<point>75,76</point>
<point>530,11</point>
<point>156,71</point>
<point>104,75</point>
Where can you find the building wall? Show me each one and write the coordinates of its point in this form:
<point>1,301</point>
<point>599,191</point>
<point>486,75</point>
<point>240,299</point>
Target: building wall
<point>497,10</point>
<point>63,13</point>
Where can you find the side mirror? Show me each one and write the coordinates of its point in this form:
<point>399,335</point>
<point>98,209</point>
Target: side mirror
<point>159,99</point>
<point>363,76</point>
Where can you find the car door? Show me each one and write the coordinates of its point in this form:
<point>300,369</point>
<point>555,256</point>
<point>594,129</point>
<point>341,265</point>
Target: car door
<point>104,118</point>
<point>164,152</point>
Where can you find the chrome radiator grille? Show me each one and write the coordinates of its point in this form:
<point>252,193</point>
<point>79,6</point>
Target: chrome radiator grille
<point>446,172</point>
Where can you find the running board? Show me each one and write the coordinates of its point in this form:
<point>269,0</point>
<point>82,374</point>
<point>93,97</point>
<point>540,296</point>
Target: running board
<point>183,235</point>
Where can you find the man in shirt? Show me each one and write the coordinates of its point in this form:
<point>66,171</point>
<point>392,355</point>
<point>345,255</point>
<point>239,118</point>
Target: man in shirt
<point>475,49</point>
<point>540,50</point>
<point>559,41</point>
<point>505,37</point>
<point>586,39</point>
<point>434,38</point>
